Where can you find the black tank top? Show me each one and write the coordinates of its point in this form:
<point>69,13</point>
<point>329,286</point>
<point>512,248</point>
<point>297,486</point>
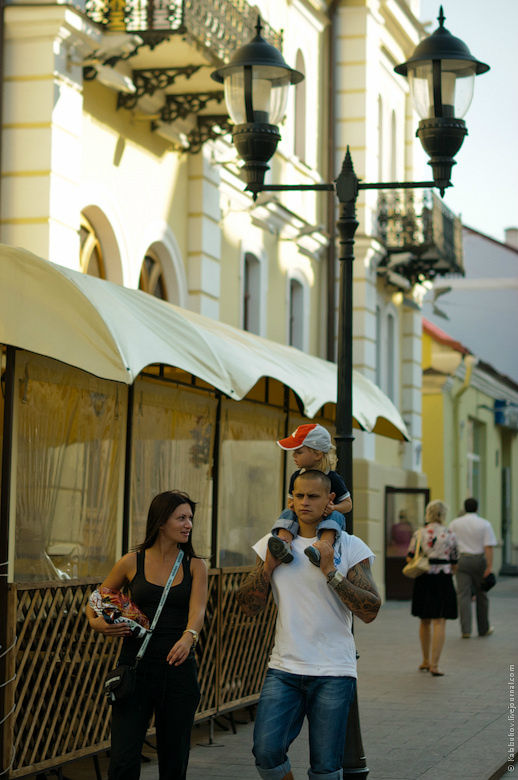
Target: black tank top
<point>173,618</point>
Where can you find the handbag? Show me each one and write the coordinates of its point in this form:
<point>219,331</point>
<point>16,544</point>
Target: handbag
<point>488,582</point>
<point>419,563</point>
<point>119,684</point>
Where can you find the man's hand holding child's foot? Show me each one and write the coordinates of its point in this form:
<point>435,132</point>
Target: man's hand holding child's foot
<point>320,553</point>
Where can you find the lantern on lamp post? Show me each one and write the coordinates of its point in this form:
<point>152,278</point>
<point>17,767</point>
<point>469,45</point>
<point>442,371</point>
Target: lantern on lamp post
<point>441,74</point>
<point>256,83</point>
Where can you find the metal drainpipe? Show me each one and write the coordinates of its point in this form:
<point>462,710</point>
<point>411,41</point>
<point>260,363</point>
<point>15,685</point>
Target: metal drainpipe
<point>331,216</point>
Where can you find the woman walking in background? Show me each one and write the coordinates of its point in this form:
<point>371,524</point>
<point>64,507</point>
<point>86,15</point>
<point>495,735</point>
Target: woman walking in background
<point>434,600</point>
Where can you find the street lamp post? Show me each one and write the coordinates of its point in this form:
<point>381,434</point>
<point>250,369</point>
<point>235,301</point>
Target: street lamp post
<point>441,73</point>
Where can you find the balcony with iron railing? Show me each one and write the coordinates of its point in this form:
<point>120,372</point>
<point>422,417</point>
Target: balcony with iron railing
<point>422,237</point>
<point>217,26</point>
<point>176,44</point>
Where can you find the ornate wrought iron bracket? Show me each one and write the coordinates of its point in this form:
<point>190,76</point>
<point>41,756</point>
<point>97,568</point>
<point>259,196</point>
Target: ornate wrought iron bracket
<point>208,128</point>
<point>149,80</point>
<point>180,106</point>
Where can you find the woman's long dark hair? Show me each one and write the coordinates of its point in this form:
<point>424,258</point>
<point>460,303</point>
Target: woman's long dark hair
<point>160,510</point>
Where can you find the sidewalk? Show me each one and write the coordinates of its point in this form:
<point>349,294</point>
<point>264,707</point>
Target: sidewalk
<point>413,725</point>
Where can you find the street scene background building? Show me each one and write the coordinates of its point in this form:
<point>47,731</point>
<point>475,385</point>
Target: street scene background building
<point>117,164</point>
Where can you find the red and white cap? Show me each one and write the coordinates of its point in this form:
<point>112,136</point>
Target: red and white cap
<point>308,435</point>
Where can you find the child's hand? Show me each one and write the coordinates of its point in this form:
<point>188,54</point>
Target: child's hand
<point>329,508</point>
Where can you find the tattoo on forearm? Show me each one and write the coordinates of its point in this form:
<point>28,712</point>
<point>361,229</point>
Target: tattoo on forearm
<point>358,592</point>
<point>253,593</point>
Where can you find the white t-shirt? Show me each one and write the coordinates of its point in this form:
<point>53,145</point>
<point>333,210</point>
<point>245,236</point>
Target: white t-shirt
<point>313,630</point>
<point>473,533</point>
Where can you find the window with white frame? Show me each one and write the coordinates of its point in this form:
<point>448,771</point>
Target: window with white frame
<point>379,367</point>
<point>380,138</point>
<point>475,460</point>
<point>296,314</point>
<point>390,356</point>
<point>251,293</point>
<point>300,110</point>
<point>387,351</point>
<point>393,147</point>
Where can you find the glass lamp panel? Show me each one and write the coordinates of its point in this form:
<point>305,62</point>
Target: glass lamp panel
<point>269,94</point>
<point>420,83</point>
<point>234,86</point>
<point>457,81</point>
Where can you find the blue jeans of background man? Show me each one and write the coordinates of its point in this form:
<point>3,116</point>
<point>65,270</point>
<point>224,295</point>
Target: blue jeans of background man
<point>285,700</point>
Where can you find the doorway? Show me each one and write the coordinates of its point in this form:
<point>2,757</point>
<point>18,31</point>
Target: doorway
<point>404,513</point>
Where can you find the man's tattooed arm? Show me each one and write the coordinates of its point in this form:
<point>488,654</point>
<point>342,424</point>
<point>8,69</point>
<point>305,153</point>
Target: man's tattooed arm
<point>358,592</point>
<point>253,593</point>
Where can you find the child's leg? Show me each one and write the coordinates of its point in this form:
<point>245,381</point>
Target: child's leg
<point>328,535</point>
<point>285,528</point>
<point>328,530</point>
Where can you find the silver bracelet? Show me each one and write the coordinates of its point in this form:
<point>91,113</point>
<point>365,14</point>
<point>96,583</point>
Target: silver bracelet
<point>334,578</point>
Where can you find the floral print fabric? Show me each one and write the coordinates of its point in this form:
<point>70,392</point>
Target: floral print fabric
<point>437,541</point>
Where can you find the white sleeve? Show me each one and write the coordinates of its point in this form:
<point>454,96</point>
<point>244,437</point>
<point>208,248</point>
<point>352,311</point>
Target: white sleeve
<point>354,551</point>
<point>260,547</point>
<point>489,536</point>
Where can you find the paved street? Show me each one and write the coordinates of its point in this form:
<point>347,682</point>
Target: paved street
<point>413,725</point>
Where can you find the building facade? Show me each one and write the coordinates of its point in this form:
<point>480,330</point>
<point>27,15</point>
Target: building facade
<point>470,437</point>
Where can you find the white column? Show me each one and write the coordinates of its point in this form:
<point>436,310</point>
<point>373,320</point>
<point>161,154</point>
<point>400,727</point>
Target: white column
<point>411,390</point>
<point>42,131</point>
<point>204,235</point>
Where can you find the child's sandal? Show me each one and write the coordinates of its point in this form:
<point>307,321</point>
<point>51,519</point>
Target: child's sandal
<point>313,554</point>
<point>280,549</point>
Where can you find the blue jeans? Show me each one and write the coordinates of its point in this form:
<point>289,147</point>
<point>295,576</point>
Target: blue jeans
<point>285,700</point>
<point>288,520</point>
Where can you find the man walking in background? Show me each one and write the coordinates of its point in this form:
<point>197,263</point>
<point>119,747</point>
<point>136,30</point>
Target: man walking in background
<point>476,539</point>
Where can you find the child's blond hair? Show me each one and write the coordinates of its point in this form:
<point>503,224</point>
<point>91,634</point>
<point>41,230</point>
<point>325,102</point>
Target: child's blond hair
<point>327,461</point>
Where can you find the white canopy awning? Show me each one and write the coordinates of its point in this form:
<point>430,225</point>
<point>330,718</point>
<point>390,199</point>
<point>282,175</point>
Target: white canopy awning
<point>114,333</point>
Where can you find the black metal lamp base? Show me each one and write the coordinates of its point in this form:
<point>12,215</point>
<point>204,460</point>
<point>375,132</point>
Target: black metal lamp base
<point>255,144</point>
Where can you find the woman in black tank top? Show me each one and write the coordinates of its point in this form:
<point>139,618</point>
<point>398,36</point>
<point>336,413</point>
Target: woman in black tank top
<point>167,684</point>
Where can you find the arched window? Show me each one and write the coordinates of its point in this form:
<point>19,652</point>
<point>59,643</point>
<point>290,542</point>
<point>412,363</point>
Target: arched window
<point>251,293</point>
<point>296,315</point>
<point>91,254</point>
<point>152,277</point>
<point>300,110</point>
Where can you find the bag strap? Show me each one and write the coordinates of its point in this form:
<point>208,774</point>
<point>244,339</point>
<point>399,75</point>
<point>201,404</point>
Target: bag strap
<point>161,603</point>
<point>417,545</point>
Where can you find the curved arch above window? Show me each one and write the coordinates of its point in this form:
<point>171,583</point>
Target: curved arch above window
<point>101,228</point>
<point>152,279</point>
<point>90,253</point>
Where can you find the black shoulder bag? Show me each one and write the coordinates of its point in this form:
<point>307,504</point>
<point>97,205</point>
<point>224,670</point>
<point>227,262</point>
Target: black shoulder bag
<point>119,684</point>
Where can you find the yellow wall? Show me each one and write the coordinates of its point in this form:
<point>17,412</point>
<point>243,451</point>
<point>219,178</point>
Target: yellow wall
<point>433,444</point>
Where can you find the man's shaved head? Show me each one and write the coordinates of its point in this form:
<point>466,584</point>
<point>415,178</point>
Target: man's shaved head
<point>316,475</point>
